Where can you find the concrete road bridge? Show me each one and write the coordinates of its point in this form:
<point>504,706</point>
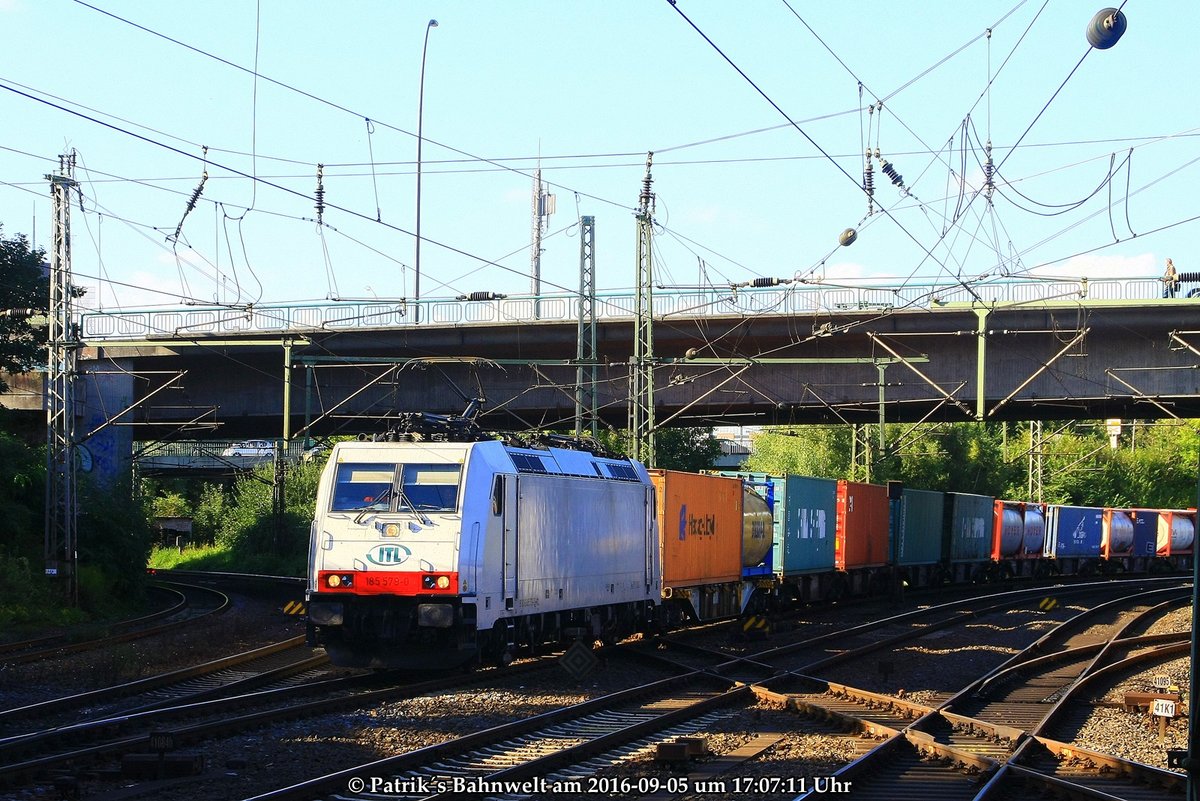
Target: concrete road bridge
<point>796,353</point>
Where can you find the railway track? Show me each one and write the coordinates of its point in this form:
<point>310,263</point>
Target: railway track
<point>581,746</point>
<point>212,712</point>
<point>187,604</point>
<point>238,673</point>
<point>956,750</point>
<point>544,751</point>
<point>945,760</point>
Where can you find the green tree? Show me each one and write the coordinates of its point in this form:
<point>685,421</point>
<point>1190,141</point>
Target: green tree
<point>689,449</point>
<point>22,489</point>
<point>22,286</point>
<point>248,527</point>
<point>819,451</point>
<point>1154,467</point>
<point>114,544</point>
<point>959,457</point>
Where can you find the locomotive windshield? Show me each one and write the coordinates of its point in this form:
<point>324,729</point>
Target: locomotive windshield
<point>396,487</point>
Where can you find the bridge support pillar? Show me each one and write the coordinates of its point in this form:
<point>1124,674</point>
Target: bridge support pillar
<point>107,455</point>
<point>980,363</point>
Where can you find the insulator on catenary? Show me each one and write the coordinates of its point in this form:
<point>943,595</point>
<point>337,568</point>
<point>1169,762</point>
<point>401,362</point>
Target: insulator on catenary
<point>890,172</point>
<point>196,194</point>
<point>191,204</point>
<point>869,184</point>
<point>765,282</point>
<point>483,296</point>
<point>989,171</point>
<point>1189,276</point>
<point>1105,28</point>
<point>320,194</point>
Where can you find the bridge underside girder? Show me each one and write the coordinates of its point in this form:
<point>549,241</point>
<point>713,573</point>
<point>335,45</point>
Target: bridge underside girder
<point>1073,361</point>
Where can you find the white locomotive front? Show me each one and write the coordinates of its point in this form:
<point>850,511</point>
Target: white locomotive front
<point>435,554</point>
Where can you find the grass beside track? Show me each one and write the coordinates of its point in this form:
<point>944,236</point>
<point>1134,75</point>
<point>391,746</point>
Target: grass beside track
<point>221,559</point>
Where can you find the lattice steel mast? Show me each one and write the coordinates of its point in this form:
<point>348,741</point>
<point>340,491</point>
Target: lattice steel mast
<point>585,351</point>
<point>60,544</point>
<point>641,364</point>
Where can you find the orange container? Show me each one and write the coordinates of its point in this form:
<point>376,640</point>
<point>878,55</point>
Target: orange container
<point>862,526</point>
<point>699,527</point>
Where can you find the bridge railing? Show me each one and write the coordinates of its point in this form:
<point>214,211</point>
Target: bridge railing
<point>796,298</point>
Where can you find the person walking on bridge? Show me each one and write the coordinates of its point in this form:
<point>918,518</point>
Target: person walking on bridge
<point>1170,280</point>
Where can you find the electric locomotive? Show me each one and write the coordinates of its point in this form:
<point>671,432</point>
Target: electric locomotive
<point>435,554</point>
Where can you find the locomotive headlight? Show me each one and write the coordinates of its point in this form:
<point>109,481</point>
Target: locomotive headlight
<point>333,581</point>
<point>431,582</point>
<point>391,530</point>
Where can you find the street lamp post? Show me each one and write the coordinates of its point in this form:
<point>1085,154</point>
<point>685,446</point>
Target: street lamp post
<point>420,140</point>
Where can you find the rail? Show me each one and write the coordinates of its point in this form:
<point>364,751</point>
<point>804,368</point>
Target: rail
<point>786,299</point>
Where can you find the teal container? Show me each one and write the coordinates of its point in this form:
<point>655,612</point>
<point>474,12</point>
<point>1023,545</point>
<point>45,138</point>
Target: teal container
<point>809,525</point>
<point>967,536</point>
<point>918,532</point>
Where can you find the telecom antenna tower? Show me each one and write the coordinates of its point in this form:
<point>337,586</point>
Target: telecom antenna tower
<point>543,207</point>
<point>60,545</point>
<point>641,364</point>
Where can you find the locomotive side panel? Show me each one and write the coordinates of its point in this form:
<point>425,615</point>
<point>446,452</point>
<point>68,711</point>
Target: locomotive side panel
<point>582,542</point>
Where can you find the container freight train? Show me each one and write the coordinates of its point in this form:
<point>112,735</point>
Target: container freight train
<point>435,554</point>
<point>438,554</point>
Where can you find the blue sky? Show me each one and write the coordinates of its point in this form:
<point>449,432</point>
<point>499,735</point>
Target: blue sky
<point>1100,184</point>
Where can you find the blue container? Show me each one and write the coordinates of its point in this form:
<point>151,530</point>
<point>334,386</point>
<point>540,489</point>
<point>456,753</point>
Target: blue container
<point>918,532</point>
<point>1074,531</point>
<point>1145,532</point>
<point>968,531</point>
<point>772,489</point>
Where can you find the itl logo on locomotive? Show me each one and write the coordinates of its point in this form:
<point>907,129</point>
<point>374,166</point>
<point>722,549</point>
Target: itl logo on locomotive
<point>388,555</point>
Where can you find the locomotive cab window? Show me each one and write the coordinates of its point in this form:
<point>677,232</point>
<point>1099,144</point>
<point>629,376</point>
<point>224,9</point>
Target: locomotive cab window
<point>396,487</point>
<point>362,486</point>
<point>430,487</point>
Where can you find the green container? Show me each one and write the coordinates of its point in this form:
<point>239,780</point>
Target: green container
<point>918,532</point>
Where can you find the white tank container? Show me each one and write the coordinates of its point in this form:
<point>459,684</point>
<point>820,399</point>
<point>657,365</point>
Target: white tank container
<point>1179,535</point>
<point>1120,532</point>
<point>1035,530</point>
<point>1012,531</point>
